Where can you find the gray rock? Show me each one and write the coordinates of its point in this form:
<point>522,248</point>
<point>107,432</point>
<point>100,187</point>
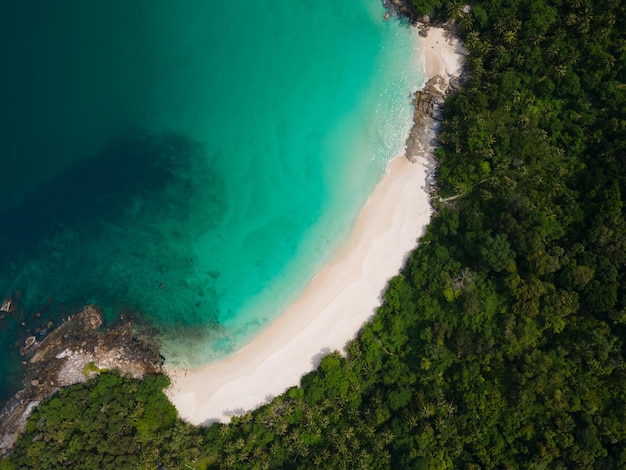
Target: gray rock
<point>428,103</point>
<point>454,84</point>
<point>80,336</point>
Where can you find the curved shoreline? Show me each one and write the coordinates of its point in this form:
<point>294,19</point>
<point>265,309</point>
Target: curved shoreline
<point>341,298</point>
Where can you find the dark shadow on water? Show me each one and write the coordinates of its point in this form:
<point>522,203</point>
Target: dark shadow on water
<point>136,166</point>
<point>115,229</point>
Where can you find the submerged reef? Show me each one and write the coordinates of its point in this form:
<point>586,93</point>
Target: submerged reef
<point>117,230</point>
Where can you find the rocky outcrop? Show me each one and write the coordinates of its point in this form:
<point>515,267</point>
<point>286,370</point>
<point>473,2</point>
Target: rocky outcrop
<point>428,102</point>
<point>75,351</point>
<point>402,7</point>
<point>407,9</point>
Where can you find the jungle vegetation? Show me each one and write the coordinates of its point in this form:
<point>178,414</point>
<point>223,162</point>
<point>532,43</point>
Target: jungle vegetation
<point>501,344</point>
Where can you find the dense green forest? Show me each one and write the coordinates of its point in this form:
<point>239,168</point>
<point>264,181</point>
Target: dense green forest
<point>501,344</point>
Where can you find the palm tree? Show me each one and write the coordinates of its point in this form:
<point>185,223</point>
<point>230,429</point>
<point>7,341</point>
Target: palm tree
<point>509,37</point>
<point>363,457</point>
<point>440,423</point>
<point>454,10</point>
<point>275,448</point>
<point>388,437</point>
<point>60,434</point>
<point>500,27</point>
<point>572,56</point>
<point>559,72</point>
<point>585,23</point>
<point>230,461</point>
<point>428,410</point>
<point>571,19</point>
<point>467,22</point>
<point>242,457</point>
<point>552,51</point>
<point>536,40</point>
<point>229,448</point>
<point>324,421</point>
<point>246,418</point>
<point>282,428</point>
<point>302,450</point>
<point>472,39</point>
<point>354,349</point>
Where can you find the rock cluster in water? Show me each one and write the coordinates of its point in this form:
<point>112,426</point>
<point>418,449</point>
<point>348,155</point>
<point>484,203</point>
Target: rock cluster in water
<point>75,351</point>
<point>407,9</point>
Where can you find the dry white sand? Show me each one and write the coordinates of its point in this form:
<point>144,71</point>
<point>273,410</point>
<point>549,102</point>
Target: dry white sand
<point>339,300</point>
<point>443,54</point>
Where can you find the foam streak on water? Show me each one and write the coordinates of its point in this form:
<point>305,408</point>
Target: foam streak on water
<point>197,165</point>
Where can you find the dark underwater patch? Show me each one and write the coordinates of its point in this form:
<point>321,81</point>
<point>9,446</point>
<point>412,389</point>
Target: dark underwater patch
<point>116,230</point>
<point>137,167</point>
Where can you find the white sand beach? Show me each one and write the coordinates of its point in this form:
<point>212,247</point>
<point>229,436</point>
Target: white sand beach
<point>338,301</point>
<point>443,54</point>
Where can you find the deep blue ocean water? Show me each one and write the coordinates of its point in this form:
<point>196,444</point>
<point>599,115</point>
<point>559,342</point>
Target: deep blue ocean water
<point>192,163</point>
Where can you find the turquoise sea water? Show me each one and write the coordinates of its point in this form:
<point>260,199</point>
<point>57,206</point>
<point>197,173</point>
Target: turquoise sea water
<point>192,163</point>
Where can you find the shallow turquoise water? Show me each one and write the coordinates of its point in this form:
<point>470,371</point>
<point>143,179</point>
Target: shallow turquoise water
<point>192,164</point>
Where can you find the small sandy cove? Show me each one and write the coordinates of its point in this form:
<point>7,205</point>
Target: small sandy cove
<point>337,302</point>
<point>443,54</point>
